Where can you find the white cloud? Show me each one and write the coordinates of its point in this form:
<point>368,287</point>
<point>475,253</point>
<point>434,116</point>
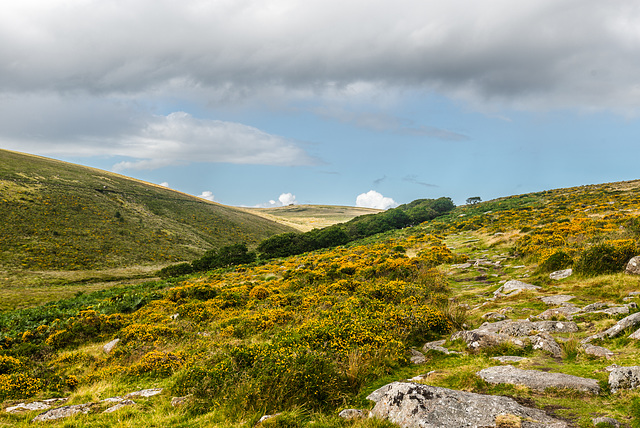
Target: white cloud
<point>165,184</point>
<point>287,199</point>
<point>207,195</point>
<point>373,199</point>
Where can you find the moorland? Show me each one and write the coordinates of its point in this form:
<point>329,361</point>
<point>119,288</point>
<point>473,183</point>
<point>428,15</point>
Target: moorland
<point>306,336</point>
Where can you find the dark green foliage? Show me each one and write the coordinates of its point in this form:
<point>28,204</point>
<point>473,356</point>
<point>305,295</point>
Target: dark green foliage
<point>175,270</point>
<point>634,412</point>
<point>604,259</point>
<point>557,261</point>
<point>230,255</point>
<point>413,213</point>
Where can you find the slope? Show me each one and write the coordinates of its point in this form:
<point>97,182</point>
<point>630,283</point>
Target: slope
<point>60,216</point>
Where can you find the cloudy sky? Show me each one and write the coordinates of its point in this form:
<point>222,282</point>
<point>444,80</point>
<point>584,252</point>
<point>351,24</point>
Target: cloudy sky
<point>272,102</point>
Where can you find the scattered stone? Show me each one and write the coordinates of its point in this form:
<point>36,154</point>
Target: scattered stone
<point>417,357</point>
<point>421,377</point>
<point>565,311</point>
<point>63,412</point>
<point>508,359</point>
<point>120,405</point>
<point>635,335</point>
<point>537,380</point>
<point>627,322</point>
<point>594,307</point>
<point>513,287</point>
<point>174,316</point>
<point>557,299</point>
<point>611,368</point>
<point>115,399</point>
<point>546,343</point>
<point>617,310</point>
<point>462,266</point>
<point>608,421</point>
<point>109,346</point>
<point>633,266</point>
<point>179,401</point>
<point>597,351</point>
<point>437,346</point>
<point>36,405</point>
<point>144,393</point>
<point>624,378</point>
<point>493,316</point>
<point>267,417</point>
<point>414,405</point>
<point>352,414</point>
<point>561,274</point>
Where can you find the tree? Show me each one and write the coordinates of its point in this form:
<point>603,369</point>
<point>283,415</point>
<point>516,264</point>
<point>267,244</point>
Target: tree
<point>473,200</point>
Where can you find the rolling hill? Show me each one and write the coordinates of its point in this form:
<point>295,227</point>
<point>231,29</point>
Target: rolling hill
<point>304,337</point>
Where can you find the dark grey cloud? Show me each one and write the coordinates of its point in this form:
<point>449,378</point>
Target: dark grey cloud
<point>528,54</point>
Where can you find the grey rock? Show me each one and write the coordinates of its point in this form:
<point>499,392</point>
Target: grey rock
<point>63,412</point>
<point>481,339</point>
<point>635,335</point>
<point>437,346</point>
<point>267,417</point>
<point>566,311</point>
<point>597,351</point>
<point>462,266</point>
<point>508,359</point>
<point>561,274</point>
<point>493,316</point>
<point>633,266</point>
<point>624,378</point>
<point>608,421</point>
<point>537,380</point>
<point>36,405</point>
<point>423,406</point>
<point>421,377</point>
<point>556,326</point>
<point>513,287</point>
<point>617,310</point>
<point>352,414</point>
<point>109,346</point>
<point>546,343</point>
<point>417,357</point>
<point>594,307</point>
<point>632,320</point>
<point>120,405</point>
<point>144,393</point>
<point>557,299</point>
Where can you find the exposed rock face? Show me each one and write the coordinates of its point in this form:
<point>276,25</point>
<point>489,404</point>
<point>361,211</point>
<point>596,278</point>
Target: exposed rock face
<point>437,346</point>
<point>508,359</point>
<point>36,405</point>
<point>565,311</point>
<point>633,267</point>
<point>624,378</point>
<point>561,274</point>
<point>513,287</point>
<point>537,380</point>
<point>423,406</point>
<point>63,412</point>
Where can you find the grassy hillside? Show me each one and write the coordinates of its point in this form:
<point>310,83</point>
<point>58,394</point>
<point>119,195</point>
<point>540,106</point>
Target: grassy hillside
<point>307,217</point>
<point>59,217</point>
<point>312,334</point>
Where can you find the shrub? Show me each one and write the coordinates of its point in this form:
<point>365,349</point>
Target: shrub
<point>556,261</point>
<point>157,363</point>
<point>18,385</point>
<point>606,258</point>
<point>175,270</point>
<point>9,364</point>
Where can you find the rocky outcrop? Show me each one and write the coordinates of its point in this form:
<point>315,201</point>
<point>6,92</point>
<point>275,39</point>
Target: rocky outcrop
<point>107,348</point>
<point>35,405</point>
<point>633,266</point>
<point>608,422</point>
<point>513,287</point>
<point>557,299</point>
<point>597,351</point>
<point>120,405</point>
<point>627,322</point>
<point>63,412</point>
<point>537,380</point>
<point>561,274</point>
<point>624,378</point>
<point>352,414</point>
<point>412,405</point>
<point>546,343</point>
<point>437,347</point>
<point>417,357</point>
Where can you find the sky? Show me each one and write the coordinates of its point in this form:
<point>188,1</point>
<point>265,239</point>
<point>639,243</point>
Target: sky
<point>358,102</point>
